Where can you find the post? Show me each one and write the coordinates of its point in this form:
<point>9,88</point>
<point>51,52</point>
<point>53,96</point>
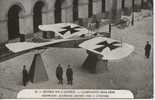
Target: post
<point>132,21</point>
<point>110,29</point>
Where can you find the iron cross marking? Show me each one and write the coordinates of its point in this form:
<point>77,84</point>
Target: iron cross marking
<point>105,44</point>
<point>68,28</point>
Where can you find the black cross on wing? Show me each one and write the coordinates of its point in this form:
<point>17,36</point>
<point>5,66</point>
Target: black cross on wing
<point>105,44</point>
<point>70,29</point>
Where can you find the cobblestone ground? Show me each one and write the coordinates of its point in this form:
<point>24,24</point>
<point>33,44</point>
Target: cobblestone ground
<point>133,73</point>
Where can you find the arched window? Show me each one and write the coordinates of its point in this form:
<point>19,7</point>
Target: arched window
<point>75,10</point>
<point>13,22</point>
<point>37,15</point>
<point>58,4</point>
<point>103,5</point>
<point>114,9</point>
<point>123,4</point>
<point>90,8</point>
<point>142,4</point>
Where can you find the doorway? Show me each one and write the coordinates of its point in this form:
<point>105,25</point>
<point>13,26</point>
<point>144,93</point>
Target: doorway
<point>13,22</point>
<point>37,15</point>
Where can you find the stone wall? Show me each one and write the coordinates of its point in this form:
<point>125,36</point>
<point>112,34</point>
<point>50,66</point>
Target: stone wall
<point>112,9</point>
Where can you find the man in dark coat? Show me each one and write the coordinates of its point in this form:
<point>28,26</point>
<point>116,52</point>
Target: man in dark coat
<point>69,74</point>
<point>25,75</point>
<point>59,74</point>
<point>147,49</point>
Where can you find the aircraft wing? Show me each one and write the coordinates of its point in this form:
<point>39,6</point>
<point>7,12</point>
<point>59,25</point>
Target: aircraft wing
<point>110,49</point>
<point>65,30</point>
<point>24,46</point>
<point>16,49</point>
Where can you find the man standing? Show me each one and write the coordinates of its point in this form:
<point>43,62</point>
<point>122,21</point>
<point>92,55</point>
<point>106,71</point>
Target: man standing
<point>59,74</point>
<point>69,74</point>
<point>147,49</point>
<point>25,76</point>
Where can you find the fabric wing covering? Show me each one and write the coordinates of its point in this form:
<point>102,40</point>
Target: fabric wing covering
<point>109,49</point>
<point>65,30</point>
<point>22,46</point>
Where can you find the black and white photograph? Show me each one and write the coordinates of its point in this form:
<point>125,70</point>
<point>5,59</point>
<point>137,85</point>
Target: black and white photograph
<point>76,44</point>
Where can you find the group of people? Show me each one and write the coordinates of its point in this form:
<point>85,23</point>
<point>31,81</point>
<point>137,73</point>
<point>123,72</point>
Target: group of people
<point>69,74</point>
<point>59,75</point>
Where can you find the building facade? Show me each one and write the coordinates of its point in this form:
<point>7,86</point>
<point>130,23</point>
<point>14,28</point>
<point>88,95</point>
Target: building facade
<point>23,16</point>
